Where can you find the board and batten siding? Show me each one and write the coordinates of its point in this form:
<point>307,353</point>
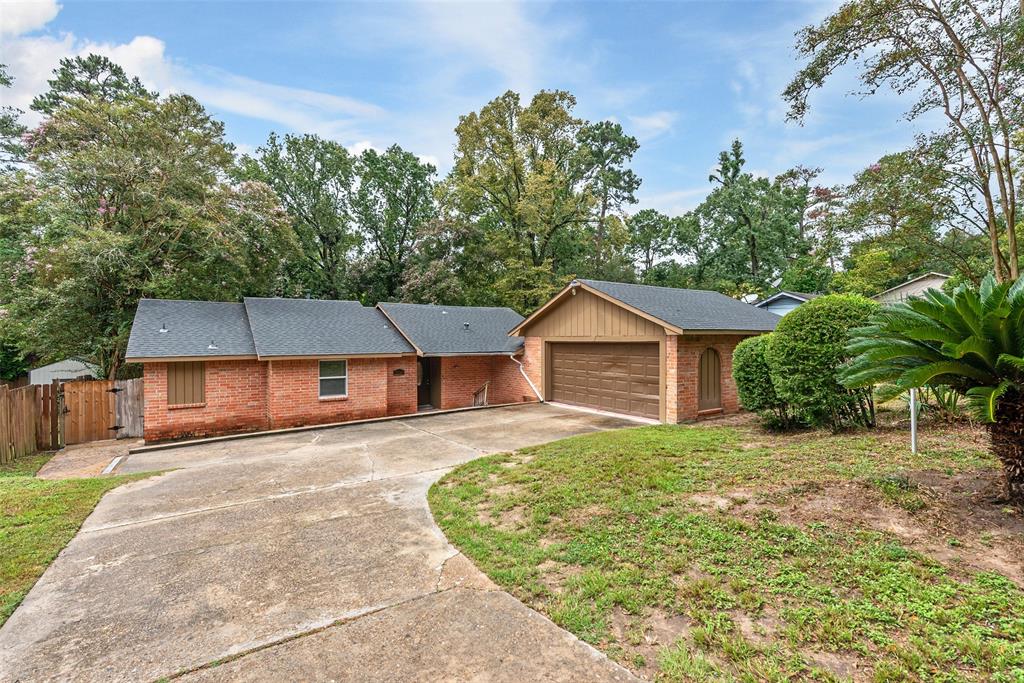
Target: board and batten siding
<point>186,383</point>
<point>590,316</point>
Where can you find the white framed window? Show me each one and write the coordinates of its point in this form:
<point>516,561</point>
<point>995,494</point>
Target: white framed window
<point>333,378</point>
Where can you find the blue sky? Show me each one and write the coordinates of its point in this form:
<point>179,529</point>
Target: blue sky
<point>684,77</point>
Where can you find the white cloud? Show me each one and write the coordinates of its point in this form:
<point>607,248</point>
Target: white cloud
<point>650,126</point>
<point>22,16</point>
<point>32,59</point>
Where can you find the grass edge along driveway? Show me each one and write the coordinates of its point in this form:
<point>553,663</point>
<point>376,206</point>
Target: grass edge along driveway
<point>37,519</point>
<point>612,536</point>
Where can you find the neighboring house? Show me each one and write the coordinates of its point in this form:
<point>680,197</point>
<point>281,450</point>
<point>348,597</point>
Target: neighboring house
<point>216,368</point>
<point>913,287</point>
<point>61,370</point>
<point>656,352</point>
<point>783,302</point>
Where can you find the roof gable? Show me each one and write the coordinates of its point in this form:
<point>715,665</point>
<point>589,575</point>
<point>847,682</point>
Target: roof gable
<point>800,297</point>
<point>679,310</point>
<point>455,330</point>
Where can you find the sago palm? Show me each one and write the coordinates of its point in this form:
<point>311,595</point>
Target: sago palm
<point>972,341</point>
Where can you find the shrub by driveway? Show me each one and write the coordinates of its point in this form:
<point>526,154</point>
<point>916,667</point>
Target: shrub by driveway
<point>705,552</point>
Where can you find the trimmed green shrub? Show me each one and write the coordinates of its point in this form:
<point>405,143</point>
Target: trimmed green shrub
<point>806,353</point>
<point>754,382</point>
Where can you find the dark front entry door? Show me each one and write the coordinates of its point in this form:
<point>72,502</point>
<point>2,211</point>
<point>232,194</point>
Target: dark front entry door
<point>428,382</point>
<point>422,382</point>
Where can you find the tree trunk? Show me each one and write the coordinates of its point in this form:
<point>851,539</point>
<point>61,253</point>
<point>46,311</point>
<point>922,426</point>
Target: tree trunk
<point>1007,434</point>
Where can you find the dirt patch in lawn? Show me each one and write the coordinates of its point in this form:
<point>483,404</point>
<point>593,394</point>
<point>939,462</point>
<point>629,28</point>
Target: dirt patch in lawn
<point>956,519</point>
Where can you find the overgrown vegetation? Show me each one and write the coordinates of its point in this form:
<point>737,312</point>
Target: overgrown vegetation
<point>726,553</point>
<point>793,373</point>
<point>754,384</point>
<point>37,519</point>
<point>971,342</point>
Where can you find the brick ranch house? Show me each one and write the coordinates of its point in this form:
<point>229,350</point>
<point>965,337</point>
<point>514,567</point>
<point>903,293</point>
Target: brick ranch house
<point>216,368</point>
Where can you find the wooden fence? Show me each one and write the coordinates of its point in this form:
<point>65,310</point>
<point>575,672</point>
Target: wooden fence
<point>29,420</point>
<point>43,418</point>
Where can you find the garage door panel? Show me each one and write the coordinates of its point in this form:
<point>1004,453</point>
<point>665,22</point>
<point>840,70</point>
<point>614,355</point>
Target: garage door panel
<point>622,378</point>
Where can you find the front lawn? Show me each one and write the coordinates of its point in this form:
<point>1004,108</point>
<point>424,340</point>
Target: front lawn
<point>37,519</point>
<point>725,552</point>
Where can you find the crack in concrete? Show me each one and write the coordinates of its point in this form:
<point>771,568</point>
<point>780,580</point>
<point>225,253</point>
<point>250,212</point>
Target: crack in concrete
<point>220,661</point>
<point>445,438</point>
<point>250,501</point>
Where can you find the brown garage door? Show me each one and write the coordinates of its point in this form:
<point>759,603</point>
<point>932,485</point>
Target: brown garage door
<point>622,378</point>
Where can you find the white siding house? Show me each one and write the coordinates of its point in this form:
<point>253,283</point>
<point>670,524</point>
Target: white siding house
<point>914,287</point>
<point>62,369</point>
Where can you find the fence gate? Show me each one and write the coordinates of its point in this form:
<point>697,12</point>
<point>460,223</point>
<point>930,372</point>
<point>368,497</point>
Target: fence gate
<point>89,411</point>
<point>128,407</point>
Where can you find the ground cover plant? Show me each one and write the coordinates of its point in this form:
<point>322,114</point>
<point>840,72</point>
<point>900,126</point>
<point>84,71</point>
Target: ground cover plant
<point>37,519</point>
<point>730,553</point>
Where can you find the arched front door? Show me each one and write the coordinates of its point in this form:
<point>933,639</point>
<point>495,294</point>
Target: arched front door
<point>710,385</point>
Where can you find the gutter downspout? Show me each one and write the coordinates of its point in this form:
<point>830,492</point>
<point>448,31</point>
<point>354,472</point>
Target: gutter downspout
<point>529,381</point>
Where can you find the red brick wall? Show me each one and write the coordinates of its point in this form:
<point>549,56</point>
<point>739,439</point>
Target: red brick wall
<point>462,375</point>
<point>235,393</point>
<point>402,386</point>
<point>682,361</point>
<point>294,393</point>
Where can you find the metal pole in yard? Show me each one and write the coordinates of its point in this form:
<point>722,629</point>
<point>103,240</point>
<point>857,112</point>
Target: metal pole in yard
<point>913,421</point>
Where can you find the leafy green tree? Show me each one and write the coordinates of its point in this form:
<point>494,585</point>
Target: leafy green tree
<point>651,238</point>
<point>316,182</point>
<point>972,341</point>
<point>11,129</point>
<point>605,152</point>
<point>93,78</point>
<point>744,234</point>
<point>393,204</point>
<point>128,199</point>
<point>518,172</point>
<point>959,58</point>
<point>807,273</point>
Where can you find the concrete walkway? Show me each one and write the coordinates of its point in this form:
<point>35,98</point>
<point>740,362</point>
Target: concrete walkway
<point>307,556</point>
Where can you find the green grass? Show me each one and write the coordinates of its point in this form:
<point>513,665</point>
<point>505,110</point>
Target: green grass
<point>37,519</point>
<point>607,532</point>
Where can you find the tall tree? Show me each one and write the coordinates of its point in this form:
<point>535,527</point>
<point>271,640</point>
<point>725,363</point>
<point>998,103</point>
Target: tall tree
<point>651,238</point>
<point>92,77</point>
<point>316,181</point>
<point>128,199</point>
<point>605,152</point>
<point>747,230</point>
<point>11,129</point>
<point>963,59</point>
<point>517,171</point>
<point>394,203</point>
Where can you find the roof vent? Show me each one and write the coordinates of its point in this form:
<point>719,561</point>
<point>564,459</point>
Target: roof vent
<point>212,346</point>
<point>465,326</point>
<point>163,328</point>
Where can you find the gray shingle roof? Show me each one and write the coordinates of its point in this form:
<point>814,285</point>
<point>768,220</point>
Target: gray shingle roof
<point>802,296</point>
<point>191,327</point>
<point>312,327</point>
<point>690,309</point>
<point>440,330</point>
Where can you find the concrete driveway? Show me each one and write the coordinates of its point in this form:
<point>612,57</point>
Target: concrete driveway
<point>306,556</point>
